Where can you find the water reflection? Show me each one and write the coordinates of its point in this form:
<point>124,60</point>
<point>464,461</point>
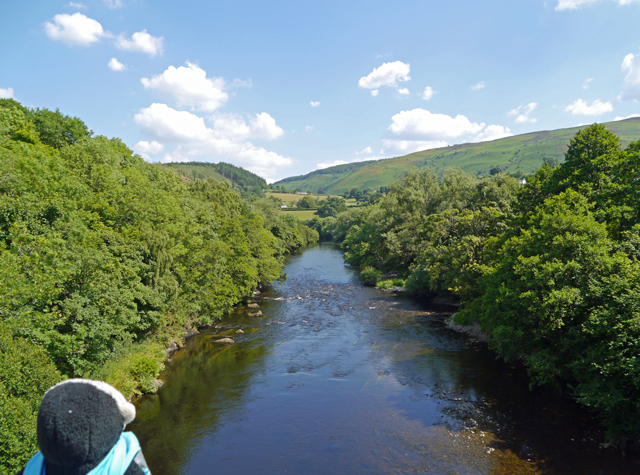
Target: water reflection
<point>339,378</point>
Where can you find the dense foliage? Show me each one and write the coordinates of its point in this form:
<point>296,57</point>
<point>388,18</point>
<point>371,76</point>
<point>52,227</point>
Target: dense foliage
<point>248,184</point>
<point>549,270</point>
<point>104,257</point>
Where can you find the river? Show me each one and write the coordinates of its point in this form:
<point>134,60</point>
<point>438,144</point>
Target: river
<point>338,378</point>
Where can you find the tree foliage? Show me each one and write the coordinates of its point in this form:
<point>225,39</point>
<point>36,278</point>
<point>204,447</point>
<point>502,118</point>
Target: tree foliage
<point>101,253</point>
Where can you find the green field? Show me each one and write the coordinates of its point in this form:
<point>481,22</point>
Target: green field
<point>520,153</point>
<point>289,198</point>
<point>302,215</point>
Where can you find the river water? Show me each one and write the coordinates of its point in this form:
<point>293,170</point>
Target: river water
<point>338,378</point>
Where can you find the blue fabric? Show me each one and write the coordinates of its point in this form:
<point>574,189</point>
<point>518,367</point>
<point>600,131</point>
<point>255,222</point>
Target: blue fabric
<point>115,463</point>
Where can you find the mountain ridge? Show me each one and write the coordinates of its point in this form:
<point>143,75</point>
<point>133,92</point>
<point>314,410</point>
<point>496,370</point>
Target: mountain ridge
<point>522,154</point>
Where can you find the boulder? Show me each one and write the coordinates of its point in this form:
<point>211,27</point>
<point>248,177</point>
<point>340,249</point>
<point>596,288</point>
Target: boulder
<point>225,340</point>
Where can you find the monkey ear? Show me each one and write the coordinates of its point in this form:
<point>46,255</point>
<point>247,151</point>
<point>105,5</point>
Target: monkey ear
<point>127,410</point>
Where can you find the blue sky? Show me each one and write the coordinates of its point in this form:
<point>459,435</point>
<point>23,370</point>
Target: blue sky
<point>286,87</point>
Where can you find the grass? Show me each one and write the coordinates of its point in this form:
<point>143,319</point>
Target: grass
<point>520,153</point>
<point>302,215</point>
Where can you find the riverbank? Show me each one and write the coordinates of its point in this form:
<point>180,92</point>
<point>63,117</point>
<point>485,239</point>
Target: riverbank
<point>335,377</point>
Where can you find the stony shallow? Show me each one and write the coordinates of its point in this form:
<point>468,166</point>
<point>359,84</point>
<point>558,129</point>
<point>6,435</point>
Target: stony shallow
<point>334,377</point>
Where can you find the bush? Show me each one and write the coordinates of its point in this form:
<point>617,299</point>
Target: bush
<point>370,275</point>
<point>134,370</point>
<point>26,372</point>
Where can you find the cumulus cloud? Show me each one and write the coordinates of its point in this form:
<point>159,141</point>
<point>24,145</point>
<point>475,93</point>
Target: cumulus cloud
<point>420,123</point>
<point>6,93</point>
<point>115,65</point>
<point>581,107</point>
<point>375,92</point>
<point>389,74</point>
<point>308,128</point>
<point>145,149</point>
<point>575,4</point>
<point>477,87</point>
<point>403,91</point>
<point>365,151</point>
<point>428,93</point>
<point>620,118</point>
<point>522,113</point>
<point>493,132</point>
<point>262,126</point>
<point>419,129</point>
<point>74,30</point>
<point>631,71</point>
<point>142,42</point>
<point>166,124</point>
<point>227,138</point>
<point>314,103</point>
<point>189,86</point>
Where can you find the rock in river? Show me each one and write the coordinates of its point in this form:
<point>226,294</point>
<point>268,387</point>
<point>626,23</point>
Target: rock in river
<point>225,340</point>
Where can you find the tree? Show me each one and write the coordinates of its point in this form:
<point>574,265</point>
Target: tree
<point>307,202</point>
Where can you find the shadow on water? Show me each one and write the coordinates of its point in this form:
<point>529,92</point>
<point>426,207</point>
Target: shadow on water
<point>341,378</point>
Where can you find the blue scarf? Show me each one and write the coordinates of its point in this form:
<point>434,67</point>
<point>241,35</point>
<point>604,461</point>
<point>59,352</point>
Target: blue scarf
<point>116,461</point>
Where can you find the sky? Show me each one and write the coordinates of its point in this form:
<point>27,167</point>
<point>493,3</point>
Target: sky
<point>286,87</point>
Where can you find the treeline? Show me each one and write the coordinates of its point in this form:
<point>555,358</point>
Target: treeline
<point>549,270</point>
<point>104,258</point>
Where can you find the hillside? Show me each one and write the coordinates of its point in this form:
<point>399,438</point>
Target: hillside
<point>520,153</point>
<point>247,183</point>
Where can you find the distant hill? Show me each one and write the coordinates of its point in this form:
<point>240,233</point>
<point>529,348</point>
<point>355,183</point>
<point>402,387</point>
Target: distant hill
<point>520,153</point>
<point>219,171</point>
<point>248,184</point>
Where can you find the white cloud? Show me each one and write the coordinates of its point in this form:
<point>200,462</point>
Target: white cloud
<point>321,165</point>
<point>74,30</point>
<point>631,71</point>
<point>314,103</point>
<point>189,86</point>
<point>522,113</point>
<point>142,42</point>
<point>422,124</point>
<point>493,132</point>
<point>428,93</point>
<point>166,124</point>
<point>308,128</point>
<point>375,92</point>
<point>575,4</point>
<point>586,83</point>
<point>114,3</point>
<point>389,74</point>
<point>581,107</point>
<point>365,151</point>
<point>477,87</point>
<point>404,91</point>
<point>227,139</point>
<point>410,146</point>
<point>627,117</point>
<point>145,149</point>
<point>115,65</point>
<point>6,93</point>
<point>77,6</point>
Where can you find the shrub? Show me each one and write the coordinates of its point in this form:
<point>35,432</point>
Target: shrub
<point>370,275</point>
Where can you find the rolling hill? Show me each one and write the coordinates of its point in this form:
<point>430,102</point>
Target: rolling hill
<point>520,153</point>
